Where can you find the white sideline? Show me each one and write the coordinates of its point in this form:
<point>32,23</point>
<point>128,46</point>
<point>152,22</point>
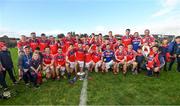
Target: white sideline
<point>83,96</point>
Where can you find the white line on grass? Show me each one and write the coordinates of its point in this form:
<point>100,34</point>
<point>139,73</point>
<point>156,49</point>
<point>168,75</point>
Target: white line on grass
<point>83,96</point>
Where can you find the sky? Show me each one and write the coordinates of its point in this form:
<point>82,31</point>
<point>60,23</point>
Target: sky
<point>86,16</point>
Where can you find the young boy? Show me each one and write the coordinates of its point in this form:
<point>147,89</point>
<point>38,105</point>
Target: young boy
<point>139,59</point>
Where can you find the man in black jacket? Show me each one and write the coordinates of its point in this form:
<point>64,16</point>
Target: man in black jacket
<point>6,62</point>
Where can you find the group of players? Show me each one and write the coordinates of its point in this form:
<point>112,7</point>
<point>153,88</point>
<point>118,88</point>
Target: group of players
<point>68,55</point>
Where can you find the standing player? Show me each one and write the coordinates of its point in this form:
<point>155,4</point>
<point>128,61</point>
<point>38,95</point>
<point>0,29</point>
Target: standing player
<point>60,59</point>
<point>112,39</point>
<point>148,38</point>
<point>23,42</point>
<point>33,41</point>
<point>120,56</point>
<point>127,40</point>
<point>53,45</point>
<point>136,41</point>
<point>117,44</point>
<point>108,56</point>
<point>43,42</point>
<point>48,64</point>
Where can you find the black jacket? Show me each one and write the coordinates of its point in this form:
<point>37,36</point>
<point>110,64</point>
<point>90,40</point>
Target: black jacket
<point>6,60</point>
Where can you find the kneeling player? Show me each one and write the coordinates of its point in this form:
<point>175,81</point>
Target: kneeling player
<point>70,60</point>
<point>120,56</point>
<point>97,59</point>
<point>130,60</point>
<point>155,62</point>
<point>108,56</point>
<point>80,58</point>
<point>48,64</point>
<point>88,58</point>
<point>60,63</point>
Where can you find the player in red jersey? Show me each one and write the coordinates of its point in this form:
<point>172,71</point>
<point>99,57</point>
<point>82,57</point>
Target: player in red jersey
<point>69,40</point>
<point>120,56</point>
<point>53,45</point>
<point>88,58</point>
<point>85,41</point>
<point>105,44</point>
<point>117,44</point>
<point>80,57</point>
<point>130,60</point>
<point>61,43</point>
<point>126,39</point>
<point>22,42</point>
<point>95,43</point>
<point>97,59</point>
<point>148,39</point>
<point>60,60</point>
<point>48,64</point>
<point>70,60</point>
<point>33,41</point>
<point>112,39</point>
<point>43,42</point>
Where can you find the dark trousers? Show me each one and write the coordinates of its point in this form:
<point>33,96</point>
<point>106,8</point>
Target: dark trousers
<point>30,76</point>
<point>178,64</point>
<point>2,79</point>
<point>165,66</point>
<point>171,63</point>
<point>11,75</point>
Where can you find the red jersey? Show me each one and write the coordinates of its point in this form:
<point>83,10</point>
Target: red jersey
<point>80,54</point>
<point>21,44</point>
<point>60,59</point>
<point>96,56</point>
<point>53,47</point>
<point>112,40</point>
<point>47,58</point>
<point>120,55</point>
<point>149,40</point>
<point>71,55</point>
<point>126,40</point>
<point>104,47</point>
<point>43,44</point>
<point>88,57</point>
<point>116,46</point>
<point>130,55</point>
<point>34,43</point>
<point>62,44</point>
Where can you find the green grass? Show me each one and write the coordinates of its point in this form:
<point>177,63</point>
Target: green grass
<point>103,89</point>
<point>107,89</point>
<point>49,93</point>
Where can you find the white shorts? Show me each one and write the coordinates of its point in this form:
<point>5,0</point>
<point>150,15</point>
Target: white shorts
<point>72,65</point>
<point>109,64</point>
<point>81,63</point>
<point>98,64</point>
<point>62,68</point>
<point>87,65</point>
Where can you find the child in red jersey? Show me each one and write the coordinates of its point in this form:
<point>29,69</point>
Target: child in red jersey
<point>97,59</point>
<point>120,57</point>
<point>60,60</point>
<point>48,64</point>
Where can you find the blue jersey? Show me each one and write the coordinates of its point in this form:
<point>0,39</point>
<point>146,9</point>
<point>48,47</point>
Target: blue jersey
<point>108,55</point>
<point>164,50</point>
<point>136,42</point>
